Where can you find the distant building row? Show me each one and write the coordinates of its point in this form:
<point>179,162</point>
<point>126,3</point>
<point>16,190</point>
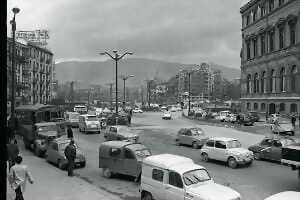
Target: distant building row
<point>34,72</point>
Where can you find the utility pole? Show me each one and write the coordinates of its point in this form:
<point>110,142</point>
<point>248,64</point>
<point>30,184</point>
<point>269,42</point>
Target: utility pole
<point>110,93</point>
<point>72,91</point>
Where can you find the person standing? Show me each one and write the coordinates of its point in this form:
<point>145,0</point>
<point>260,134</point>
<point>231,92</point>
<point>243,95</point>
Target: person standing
<point>293,120</point>
<point>13,152</point>
<point>19,174</point>
<point>70,153</point>
<point>70,132</point>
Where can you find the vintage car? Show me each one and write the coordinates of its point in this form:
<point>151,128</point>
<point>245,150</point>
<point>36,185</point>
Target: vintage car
<point>45,133</point>
<point>287,195</point>
<point>122,157</point>
<point>122,119</point>
<point>191,136</point>
<point>283,128</point>
<point>244,119</point>
<point>228,150</point>
<point>72,118</point>
<point>253,116</point>
<point>89,123</point>
<point>137,110</point>
<point>166,115</point>
<point>270,148</point>
<point>230,118</point>
<point>168,176</point>
<point>55,153</point>
<point>223,115</point>
<point>120,133</point>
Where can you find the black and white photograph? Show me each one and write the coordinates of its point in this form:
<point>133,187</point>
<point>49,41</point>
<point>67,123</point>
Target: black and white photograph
<point>150,100</point>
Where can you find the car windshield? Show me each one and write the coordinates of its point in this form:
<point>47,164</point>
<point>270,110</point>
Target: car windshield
<point>286,142</point>
<point>91,118</point>
<point>233,144</point>
<point>143,153</point>
<point>195,176</point>
<point>197,132</point>
<point>47,128</point>
<point>74,115</point>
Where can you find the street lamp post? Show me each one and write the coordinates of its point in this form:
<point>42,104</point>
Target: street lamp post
<point>116,58</point>
<point>124,92</point>
<point>13,27</point>
<point>189,110</point>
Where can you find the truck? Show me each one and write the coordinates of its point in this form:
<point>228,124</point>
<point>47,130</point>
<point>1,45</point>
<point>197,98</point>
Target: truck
<point>290,155</point>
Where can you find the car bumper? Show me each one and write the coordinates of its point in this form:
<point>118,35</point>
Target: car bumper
<point>92,129</point>
<point>244,161</point>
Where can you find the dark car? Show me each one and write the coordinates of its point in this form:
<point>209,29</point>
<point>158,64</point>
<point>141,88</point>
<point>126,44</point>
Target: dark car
<point>120,133</point>
<point>253,116</point>
<point>122,119</point>
<point>270,148</point>
<point>245,119</point>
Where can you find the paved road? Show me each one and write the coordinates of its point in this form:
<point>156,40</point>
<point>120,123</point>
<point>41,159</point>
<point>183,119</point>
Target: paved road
<point>254,183</point>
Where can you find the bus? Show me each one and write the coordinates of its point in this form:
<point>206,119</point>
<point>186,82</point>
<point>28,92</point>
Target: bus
<point>28,115</point>
<point>81,109</point>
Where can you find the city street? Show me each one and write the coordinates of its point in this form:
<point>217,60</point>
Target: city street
<point>254,183</point>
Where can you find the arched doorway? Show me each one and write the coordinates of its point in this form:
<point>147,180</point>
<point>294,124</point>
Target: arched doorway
<point>293,108</point>
<point>272,108</point>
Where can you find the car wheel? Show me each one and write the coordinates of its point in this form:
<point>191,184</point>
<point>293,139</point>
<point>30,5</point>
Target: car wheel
<point>106,173</point>
<point>257,156</point>
<point>249,163</point>
<point>232,163</point>
<point>60,165</point>
<point>177,143</point>
<point>146,196</point>
<point>204,157</point>
<point>195,145</point>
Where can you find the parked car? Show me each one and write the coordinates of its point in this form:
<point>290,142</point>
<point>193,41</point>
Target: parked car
<point>55,153</point>
<point>287,195</point>
<point>168,176</point>
<point>122,157</point>
<point>283,128</point>
<point>228,150</point>
<point>89,123</point>
<point>167,115</point>
<point>120,133</point>
<point>222,115</point>
<point>245,120</point>
<point>191,136</point>
<point>137,110</point>
<point>290,155</point>
<point>122,119</point>
<point>72,118</point>
<point>270,148</point>
<point>230,118</point>
<point>45,133</point>
<point>253,116</point>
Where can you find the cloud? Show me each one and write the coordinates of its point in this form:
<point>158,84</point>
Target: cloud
<point>173,30</point>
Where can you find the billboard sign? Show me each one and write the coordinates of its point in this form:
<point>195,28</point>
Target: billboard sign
<point>38,37</point>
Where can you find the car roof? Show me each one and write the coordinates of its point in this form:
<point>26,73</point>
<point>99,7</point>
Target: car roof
<point>116,144</point>
<point>185,167</point>
<point>167,161</point>
<point>225,139</point>
<point>45,124</point>
<point>88,115</point>
<point>290,195</point>
<point>61,140</point>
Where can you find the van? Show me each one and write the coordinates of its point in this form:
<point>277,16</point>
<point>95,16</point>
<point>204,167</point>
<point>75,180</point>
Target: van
<point>72,118</point>
<point>168,176</point>
<point>122,157</point>
<point>89,123</point>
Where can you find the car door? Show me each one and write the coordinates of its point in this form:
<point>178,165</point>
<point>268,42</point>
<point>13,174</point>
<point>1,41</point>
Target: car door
<point>265,152</point>
<point>180,135</point>
<point>188,137</point>
<point>174,188</point>
<point>51,152</point>
<point>116,160</point>
<point>209,148</point>
<point>130,162</point>
<point>220,150</point>
<point>275,151</point>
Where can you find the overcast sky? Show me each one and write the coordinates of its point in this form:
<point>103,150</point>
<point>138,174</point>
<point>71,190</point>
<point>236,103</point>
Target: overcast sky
<point>186,31</point>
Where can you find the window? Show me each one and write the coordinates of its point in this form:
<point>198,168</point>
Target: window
<point>175,180</point>
<point>263,9</point>
<point>210,143</point>
<point>254,47</point>
<point>248,106</point>
<point>292,33</point>
<point>281,107</point>
<point>277,143</point>
<point>249,83</point>
<point>263,85</point>
<point>271,40</point>
<point>293,108</point>
<point>272,81</point>
<point>115,152</point>
<point>293,79</point>
<point>263,44</point>
<point>248,49</point>
<point>256,83</point>
<point>271,5</point>
<point>280,2</point>
<point>195,176</point>
<point>129,154</point>
<point>220,145</point>
<point>247,19</point>
<point>54,146</point>
<point>282,79</point>
<point>254,14</point>
<point>267,142</point>
<point>281,37</point>
<point>255,106</point>
<point>263,106</point>
<point>158,175</point>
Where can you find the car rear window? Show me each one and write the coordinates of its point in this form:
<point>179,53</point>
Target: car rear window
<point>157,175</point>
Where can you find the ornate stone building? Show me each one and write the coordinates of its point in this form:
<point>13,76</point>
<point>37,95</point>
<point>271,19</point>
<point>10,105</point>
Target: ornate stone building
<point>270,56</point>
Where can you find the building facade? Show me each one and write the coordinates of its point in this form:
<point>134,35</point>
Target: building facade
<point>34,72</point>
<point>270,56</point>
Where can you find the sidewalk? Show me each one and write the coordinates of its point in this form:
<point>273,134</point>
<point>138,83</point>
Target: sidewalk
<point>51,183</point>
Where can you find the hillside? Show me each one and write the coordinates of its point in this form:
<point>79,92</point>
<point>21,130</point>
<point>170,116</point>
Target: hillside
<point>142,69</point>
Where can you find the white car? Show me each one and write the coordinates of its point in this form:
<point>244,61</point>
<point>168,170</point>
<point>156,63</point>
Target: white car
<point>287,195</point>
<point>228,150</point>
<point>222,115</point>
<point>137,110</point>
<point>167,115</point>
<point>168,176</point>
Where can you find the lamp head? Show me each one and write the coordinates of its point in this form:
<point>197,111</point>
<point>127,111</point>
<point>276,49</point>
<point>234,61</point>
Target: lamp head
<point>130,53</point>
<point>16,10</point>
<point>131,75</point>
<point>102,53</point>
<point>115,51</point>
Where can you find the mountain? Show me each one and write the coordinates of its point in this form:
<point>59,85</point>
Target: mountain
<point>95,72</point>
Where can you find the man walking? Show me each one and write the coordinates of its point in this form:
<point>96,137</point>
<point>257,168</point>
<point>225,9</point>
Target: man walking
<point>13,152</point>
<point>70,132</point>
<point>19,174</point>
<point>70,153</point>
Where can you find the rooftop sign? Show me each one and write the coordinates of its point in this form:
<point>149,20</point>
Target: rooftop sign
<point>37,37</point>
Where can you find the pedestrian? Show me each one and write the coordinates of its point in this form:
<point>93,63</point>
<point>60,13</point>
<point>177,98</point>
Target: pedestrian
<point>19,174</point>
<point>10,193</point>
<point>129,119</point>
<point>70,132</point>
<point>70,153</point>
<point>293,120</point>
<point>238,119</point>
<point>12,151</point>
